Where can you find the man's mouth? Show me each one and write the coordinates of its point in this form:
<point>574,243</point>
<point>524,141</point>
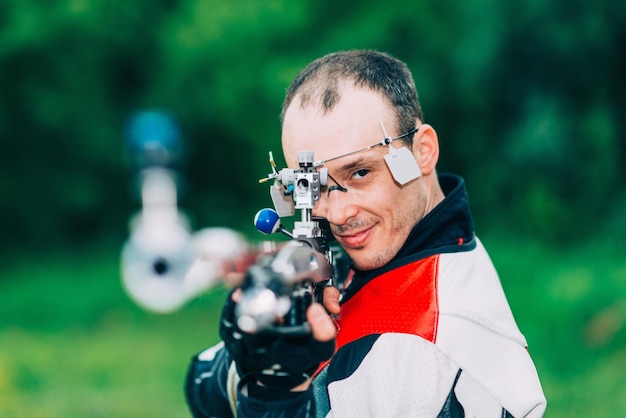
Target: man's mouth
<point>354,239</point>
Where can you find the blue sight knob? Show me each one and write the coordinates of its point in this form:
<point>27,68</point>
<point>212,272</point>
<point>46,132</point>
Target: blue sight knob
<point>267,221</point>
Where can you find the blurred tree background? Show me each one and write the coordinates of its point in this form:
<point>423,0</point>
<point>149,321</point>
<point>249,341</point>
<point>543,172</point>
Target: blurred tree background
<point>527,99</point>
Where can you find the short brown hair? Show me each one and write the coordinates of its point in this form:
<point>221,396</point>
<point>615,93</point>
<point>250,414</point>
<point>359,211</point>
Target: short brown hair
<point>318,83</point>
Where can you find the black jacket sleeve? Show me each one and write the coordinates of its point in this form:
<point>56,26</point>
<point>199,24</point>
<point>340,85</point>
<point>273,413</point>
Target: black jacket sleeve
<point>206,384</point>
<point>272,402</point>
<point>206,391</point>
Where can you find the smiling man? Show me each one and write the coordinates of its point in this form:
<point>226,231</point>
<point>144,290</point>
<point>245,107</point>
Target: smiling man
<point>422,328</point>
<point>372,218</point>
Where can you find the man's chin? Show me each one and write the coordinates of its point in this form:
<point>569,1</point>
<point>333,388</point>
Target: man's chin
<point>363,261</point>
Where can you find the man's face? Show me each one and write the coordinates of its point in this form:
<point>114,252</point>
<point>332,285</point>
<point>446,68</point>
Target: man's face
<point>373,218</point>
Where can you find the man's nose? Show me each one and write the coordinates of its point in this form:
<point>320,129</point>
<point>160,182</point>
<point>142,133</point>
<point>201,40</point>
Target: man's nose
<point>336,207</point>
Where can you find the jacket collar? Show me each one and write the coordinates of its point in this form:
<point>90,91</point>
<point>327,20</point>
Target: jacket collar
<point>447,228</point>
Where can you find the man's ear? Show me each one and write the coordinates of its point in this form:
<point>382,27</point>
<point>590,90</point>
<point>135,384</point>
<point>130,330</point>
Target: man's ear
<point>426,148</point>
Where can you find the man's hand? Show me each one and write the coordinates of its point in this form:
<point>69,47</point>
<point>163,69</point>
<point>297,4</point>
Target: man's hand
<point>331,300</point>
<point>281,361</point>
<point>323,329</point>
<point>322,326</point>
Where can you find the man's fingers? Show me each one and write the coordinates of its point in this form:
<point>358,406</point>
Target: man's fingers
<point>331,300</point>
<point>322,326</point>
<point>237,295</point>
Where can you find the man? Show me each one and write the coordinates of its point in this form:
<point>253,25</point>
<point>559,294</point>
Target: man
<point>423,327</point>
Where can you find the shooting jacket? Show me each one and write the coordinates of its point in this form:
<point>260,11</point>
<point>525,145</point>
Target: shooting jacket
<point>430,334</point>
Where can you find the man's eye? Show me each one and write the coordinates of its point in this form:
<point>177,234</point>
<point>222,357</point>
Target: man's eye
<point>360,173</point>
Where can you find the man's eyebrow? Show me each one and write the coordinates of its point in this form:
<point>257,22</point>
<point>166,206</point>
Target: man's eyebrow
<point>359,162</point>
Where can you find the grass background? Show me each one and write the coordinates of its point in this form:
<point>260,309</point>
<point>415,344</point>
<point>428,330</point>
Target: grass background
<point>73,345</point>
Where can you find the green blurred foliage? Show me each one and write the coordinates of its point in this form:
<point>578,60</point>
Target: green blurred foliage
<point>74,345</point>
<point>527,99</point>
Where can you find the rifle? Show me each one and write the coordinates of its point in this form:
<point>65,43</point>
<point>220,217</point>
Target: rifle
<point>164,264</point>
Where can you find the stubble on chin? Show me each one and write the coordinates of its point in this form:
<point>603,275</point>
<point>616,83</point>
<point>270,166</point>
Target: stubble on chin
<point>366,262</point>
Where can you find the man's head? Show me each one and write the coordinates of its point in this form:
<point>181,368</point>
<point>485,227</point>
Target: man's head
<point>336,106</point>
